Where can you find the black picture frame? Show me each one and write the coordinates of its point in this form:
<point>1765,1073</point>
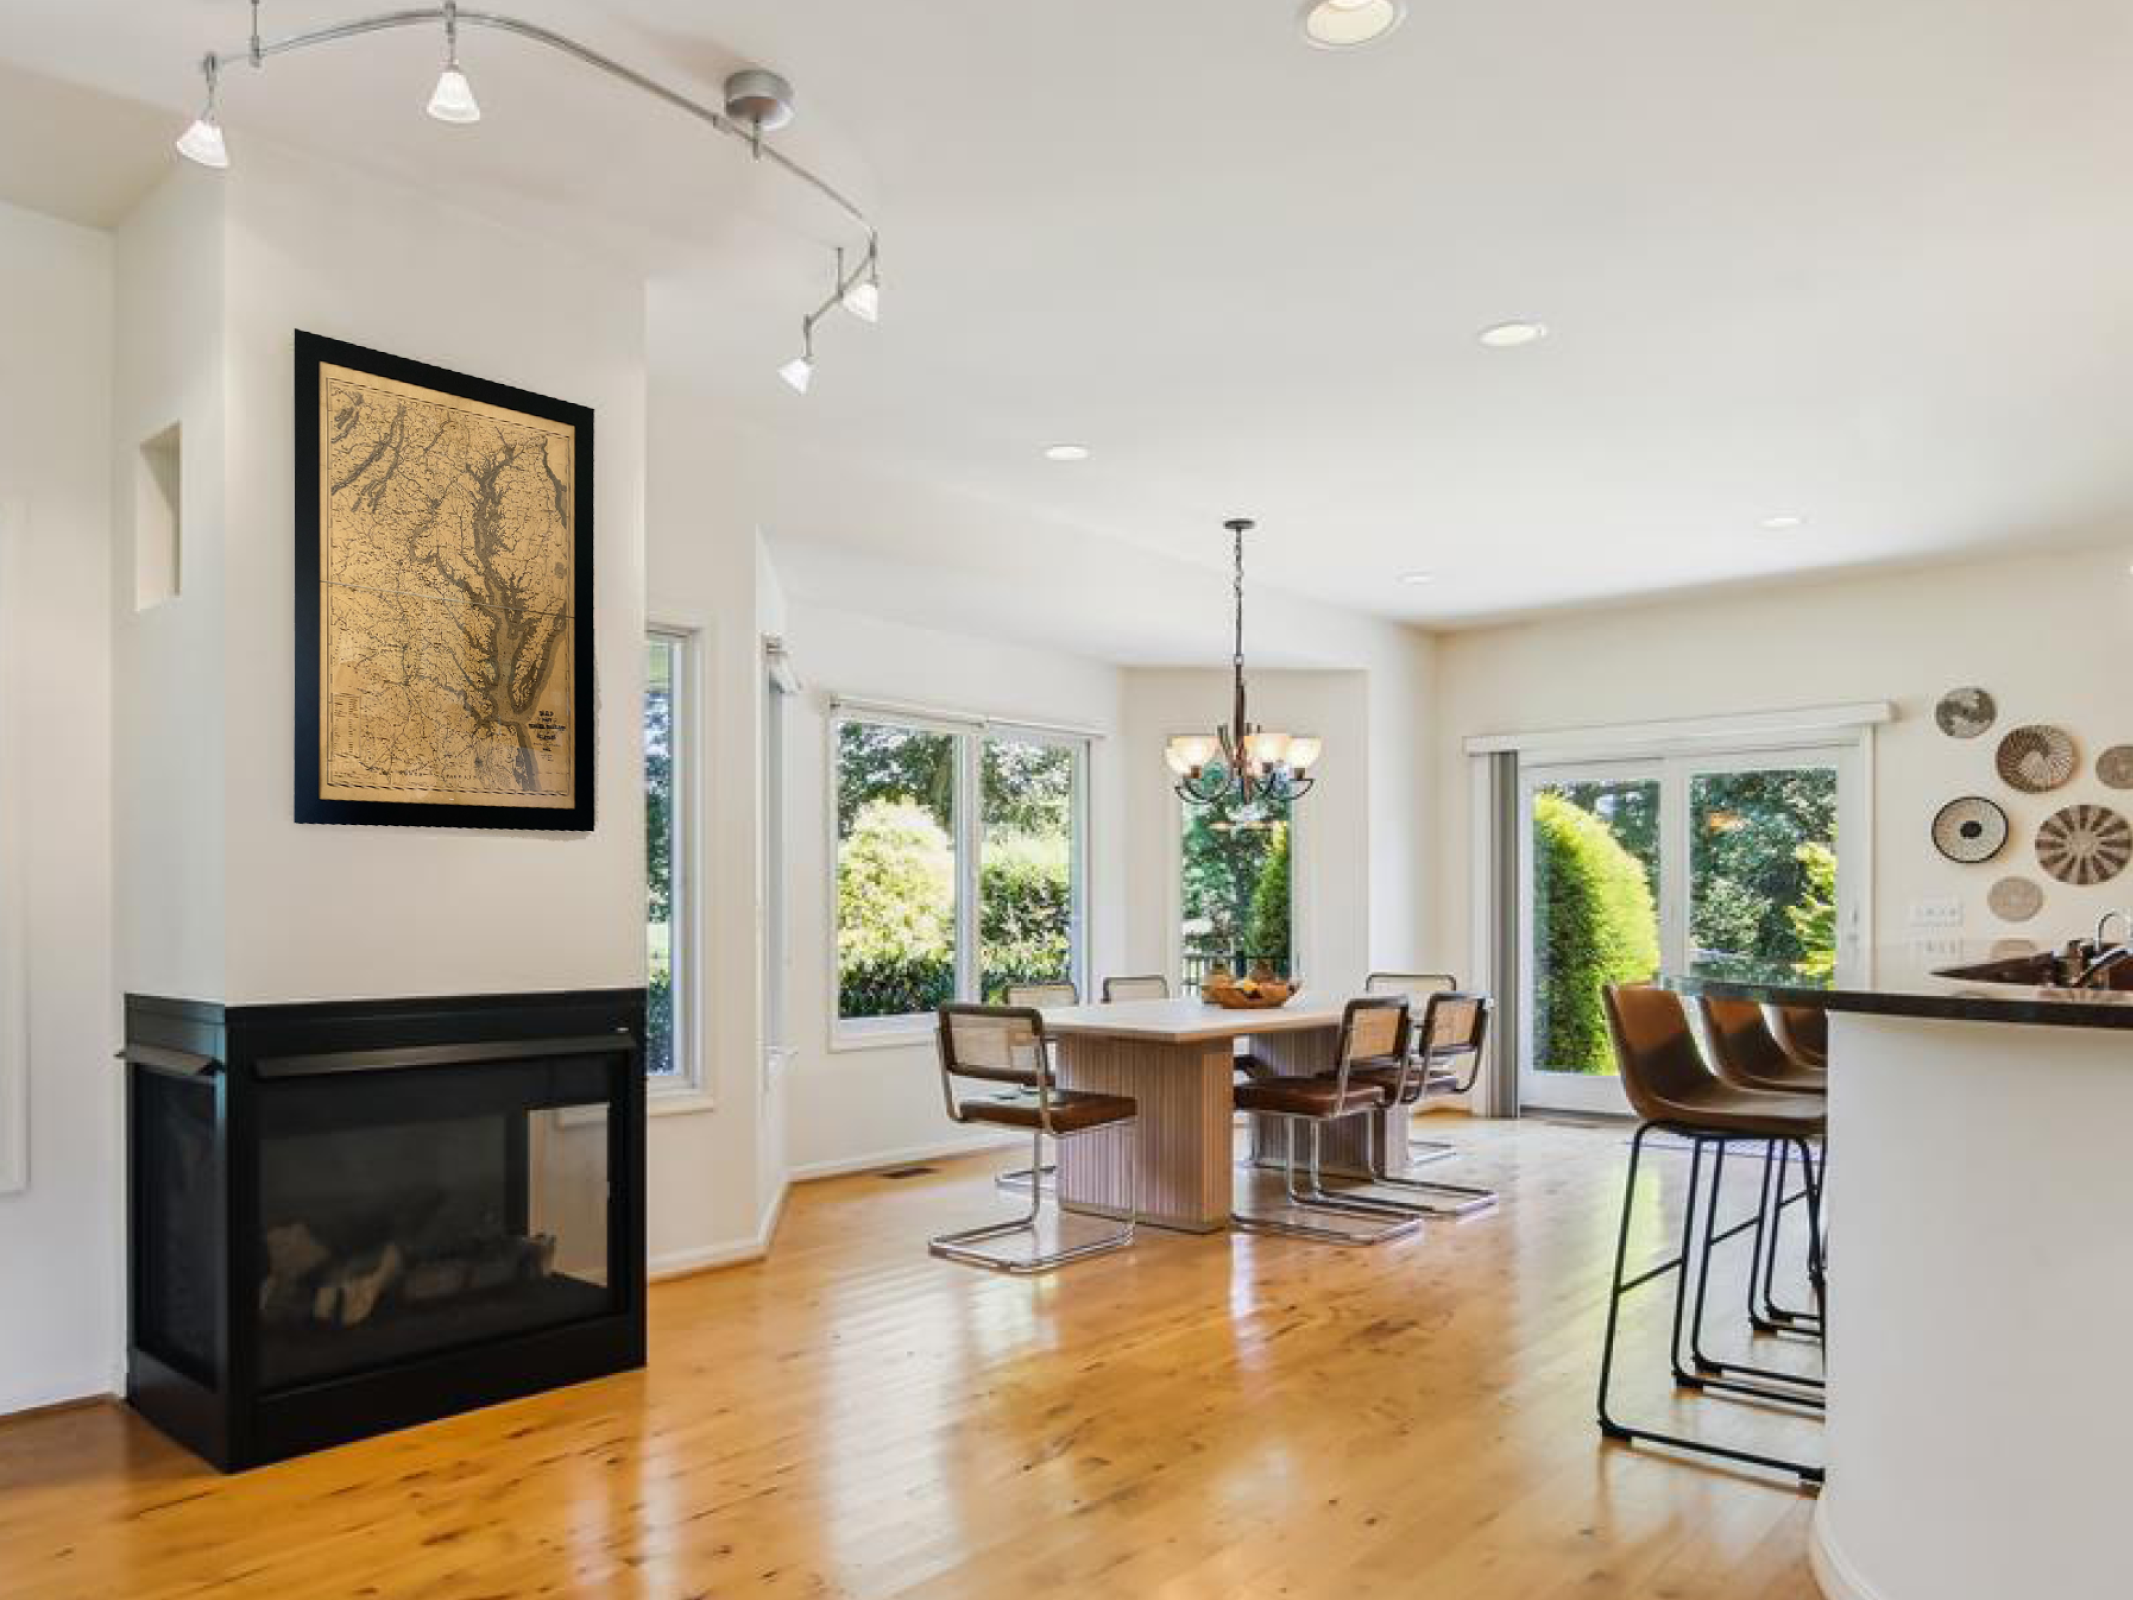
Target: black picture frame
<point>312,351</point>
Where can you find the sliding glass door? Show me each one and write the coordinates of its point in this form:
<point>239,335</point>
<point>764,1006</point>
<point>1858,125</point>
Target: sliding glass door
<point>1713,863</point>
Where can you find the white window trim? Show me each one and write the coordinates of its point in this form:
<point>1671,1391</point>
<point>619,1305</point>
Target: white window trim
<point>688,1089</point>
<point>14,945</point>
<point>970,731</point>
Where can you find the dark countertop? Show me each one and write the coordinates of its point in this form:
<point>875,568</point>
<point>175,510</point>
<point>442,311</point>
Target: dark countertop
<point>1915,981</point>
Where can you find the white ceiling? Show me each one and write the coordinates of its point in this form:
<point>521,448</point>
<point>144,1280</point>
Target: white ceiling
<point>1868,264</point>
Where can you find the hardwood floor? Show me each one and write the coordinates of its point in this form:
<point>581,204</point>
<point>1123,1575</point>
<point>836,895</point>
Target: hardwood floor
<point>1226,1416</point>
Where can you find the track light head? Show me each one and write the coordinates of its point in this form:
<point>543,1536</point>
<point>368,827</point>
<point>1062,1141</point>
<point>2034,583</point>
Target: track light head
<point>453,99</point>
<point>202,143</point>
<point>863,300</point>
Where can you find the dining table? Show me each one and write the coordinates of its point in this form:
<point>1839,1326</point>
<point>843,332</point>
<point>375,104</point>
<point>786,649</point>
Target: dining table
<point>1177,1059</point>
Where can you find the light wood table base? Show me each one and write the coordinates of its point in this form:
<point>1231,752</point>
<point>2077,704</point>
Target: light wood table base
<point>1183,1133</point>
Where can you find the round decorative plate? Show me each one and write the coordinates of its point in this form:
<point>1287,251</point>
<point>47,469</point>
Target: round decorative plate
<point>2115,767</point>
<point>1965,713</point>
<point>2085,844</point>
<point>2012,949</point>
<point>2036,758</point>
<point>1970,830</point>
<point>2015,899</point>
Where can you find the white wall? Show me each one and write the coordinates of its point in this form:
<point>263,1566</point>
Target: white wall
<point>59,1233</point>
<point>855,1107</point>
<point>2046,634</point>
<point>345,912</point>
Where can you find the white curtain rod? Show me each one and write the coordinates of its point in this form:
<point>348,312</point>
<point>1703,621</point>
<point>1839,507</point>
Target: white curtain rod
<point>904,711</point>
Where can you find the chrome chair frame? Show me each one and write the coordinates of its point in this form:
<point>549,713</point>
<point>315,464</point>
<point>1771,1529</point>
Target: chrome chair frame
<point>1063,993</point>
<point>1393,1222</point>
<point>955,1246</point>
<point>1457,1199</point>
<point>1420,986</point>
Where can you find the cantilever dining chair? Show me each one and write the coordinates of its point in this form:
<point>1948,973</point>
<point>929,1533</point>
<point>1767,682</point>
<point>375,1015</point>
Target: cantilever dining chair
<point>1039,995</point>
<point>1004,1048</point>
<point>1150,986</point>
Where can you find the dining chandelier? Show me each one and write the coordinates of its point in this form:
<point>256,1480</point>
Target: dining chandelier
<point>1241,763</point>
<point>756,102</point>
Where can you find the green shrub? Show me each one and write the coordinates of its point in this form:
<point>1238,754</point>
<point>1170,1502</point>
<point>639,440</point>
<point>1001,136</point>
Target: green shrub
<point>1026,911</point>
<point>895,912</point>
<point>1595,924</point>
<point>1268,929</point>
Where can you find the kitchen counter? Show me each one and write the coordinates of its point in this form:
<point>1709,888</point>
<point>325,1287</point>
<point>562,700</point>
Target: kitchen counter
<point>1980,1279</point>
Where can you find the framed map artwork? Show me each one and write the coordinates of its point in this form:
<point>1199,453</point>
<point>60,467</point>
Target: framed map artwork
<point>444,582</point>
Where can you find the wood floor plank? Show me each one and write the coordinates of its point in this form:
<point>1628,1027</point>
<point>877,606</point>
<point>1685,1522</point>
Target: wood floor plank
<point>1227,1416</point>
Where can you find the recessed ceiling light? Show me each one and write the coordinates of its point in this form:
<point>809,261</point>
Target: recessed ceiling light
<point>1066,452</point>
<point>1510,335</point>
<point>1344,24</point>
<point>1418,577</point>
<point>1784,522</point>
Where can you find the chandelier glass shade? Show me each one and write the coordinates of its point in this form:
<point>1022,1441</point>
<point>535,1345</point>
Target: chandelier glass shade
<point>1240,762</point>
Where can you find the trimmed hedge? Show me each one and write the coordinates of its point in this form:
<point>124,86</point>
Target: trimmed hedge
<point>1594,924</point>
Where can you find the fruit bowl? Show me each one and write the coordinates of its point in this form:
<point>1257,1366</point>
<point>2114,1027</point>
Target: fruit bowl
<point>1248,994</point>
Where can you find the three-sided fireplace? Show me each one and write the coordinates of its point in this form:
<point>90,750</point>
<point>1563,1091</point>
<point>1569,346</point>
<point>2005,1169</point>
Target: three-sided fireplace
<point>350,1217</point>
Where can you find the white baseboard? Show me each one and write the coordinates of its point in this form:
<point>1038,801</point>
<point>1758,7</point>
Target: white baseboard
<point>1837,1578</point>
<point>875,1160</point>
<point>727,1253</point>
<point>36,1397</point>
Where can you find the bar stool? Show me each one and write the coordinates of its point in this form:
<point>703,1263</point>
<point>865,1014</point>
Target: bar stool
<point>1672,1090</point>
<point>1747,1054</point>
<point>1373,1036</point>
<point>1442,1077</point>
<point>1050,992</point>
<point>1006,1045</point>
<point>1802,1032</point>
<point>1454,1026</point>
<point>1149,986</point>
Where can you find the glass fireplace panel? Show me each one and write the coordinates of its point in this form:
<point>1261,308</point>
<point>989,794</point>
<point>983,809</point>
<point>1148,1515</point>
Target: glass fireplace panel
<point>408,1212</point>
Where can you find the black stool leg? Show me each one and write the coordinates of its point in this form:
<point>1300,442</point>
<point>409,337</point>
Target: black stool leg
<point>1610,1426</point>
<point>1725,1376</point>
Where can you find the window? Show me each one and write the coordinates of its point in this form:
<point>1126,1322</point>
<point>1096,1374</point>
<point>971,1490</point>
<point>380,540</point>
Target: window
<point>1235,902</point>
<point>1716,863</point>
<point>669,901</point>
<point>959,863</point>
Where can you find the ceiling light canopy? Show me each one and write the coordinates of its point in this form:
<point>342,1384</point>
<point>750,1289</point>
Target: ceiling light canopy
<point>1344,24</point>
<point>756,102</point>
<point>1511,335</point>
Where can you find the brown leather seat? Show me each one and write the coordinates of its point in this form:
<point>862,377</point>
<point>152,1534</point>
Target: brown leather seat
<point>1071,1111</point>
<point>1664,1076</point>
<point>1802,1032</point>
<point>1313,1097</point>
<point>1748,1056</point>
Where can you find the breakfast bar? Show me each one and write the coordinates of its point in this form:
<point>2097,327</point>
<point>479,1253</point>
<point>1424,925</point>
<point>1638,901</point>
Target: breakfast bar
<point>1980,1278</point>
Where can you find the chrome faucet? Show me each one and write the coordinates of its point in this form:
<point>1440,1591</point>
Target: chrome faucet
<point>2083,967</point>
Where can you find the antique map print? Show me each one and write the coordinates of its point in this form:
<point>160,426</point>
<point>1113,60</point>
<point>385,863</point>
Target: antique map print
<point>447,565</point>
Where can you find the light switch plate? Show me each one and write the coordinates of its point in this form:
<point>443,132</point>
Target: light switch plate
<point>1947,913</point>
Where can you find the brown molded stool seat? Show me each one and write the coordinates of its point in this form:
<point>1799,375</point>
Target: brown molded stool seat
<point>1007,1045</point>
<point>1749,1055</point>
<point>1671,1089</point>
<point>1373,1035</point>
<point>1454,1028</point>
<point>1802,1032</point>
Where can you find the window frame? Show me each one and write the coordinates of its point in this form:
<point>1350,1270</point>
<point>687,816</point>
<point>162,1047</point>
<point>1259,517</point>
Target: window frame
<point>970,736</point>
<point>686,1088</point>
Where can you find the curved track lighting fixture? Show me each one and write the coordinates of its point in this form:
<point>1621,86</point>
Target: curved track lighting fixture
<point>756,102</point>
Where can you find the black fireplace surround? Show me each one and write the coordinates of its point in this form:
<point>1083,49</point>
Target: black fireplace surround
<point>349,1217</point>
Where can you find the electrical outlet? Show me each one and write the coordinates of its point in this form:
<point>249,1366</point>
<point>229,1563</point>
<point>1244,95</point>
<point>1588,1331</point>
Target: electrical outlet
<point>1946,913</point>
